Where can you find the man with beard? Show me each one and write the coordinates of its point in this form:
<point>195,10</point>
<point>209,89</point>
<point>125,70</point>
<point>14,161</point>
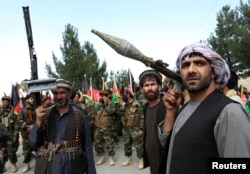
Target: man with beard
<point>154,112</point>
<point>61,136</point>
<point>209,125</point>
<point>105,128</point>
<point>25,120</point>
<point>8,119</point>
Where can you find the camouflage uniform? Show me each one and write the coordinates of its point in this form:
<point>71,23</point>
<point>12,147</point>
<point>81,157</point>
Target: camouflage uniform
<point>26,117</point>
<point>91,113</point>
<point>105,130</point>
<point>117,122</point>
<point>142,99</point>
<point>8,118</point>
<point>3,146</point>
<point>133,122</point>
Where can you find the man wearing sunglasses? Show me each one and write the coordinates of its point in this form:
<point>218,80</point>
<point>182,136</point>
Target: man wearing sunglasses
<point>105,128</point>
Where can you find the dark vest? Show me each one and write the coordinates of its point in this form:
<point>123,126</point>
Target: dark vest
<point>70,131</point>
<point>195,142</point>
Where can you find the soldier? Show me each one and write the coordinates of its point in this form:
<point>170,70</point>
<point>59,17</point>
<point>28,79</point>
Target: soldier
<point>3,146</point>
<point>8,119</point>
<point>117,121</point>
<point>91,113</point>
<point>141,97</point>
<point>25,120</point>
<point>46,101</point>
<point>77,98</point>
<point>105,129</point>
<point>133,123</point>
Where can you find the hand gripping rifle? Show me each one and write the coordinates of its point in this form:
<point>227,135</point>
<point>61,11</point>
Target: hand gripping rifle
<point>126,49</point>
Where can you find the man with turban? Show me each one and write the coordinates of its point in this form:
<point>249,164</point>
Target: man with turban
<point>209,125</point>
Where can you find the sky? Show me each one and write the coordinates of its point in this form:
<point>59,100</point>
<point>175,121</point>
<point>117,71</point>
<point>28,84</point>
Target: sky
<point>158,28</point>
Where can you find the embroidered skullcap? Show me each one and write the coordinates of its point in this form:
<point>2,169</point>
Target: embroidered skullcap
<point>61,83</point>
<point>218,64</point>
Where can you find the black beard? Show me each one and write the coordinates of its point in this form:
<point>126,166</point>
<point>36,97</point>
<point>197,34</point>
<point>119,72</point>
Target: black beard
<point>151,97</point>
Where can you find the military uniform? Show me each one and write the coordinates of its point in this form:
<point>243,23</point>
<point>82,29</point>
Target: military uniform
<point>91,113</point>
<point>117,122</point>
<point>133,122</point>
<point>26,117</point>
<point>105,130</point>
<point>3,146</point>
<point>8,119</point>
<point>142,99</point>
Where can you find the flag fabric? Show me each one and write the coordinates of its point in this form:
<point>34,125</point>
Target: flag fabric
<point>131,82</point>
<point>243,94</point>
<point>115,92</point>
<point>87,98</point>
<point>16,101</point>
<point>93,92</point>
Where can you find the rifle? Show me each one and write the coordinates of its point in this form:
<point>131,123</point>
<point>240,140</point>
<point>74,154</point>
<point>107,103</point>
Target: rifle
<point>126,49</point>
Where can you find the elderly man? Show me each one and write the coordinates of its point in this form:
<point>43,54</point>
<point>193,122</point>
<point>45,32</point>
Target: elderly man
<point>209,125</point>
<point>61,136</point>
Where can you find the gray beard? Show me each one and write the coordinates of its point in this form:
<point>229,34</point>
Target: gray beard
<point>61,104</point>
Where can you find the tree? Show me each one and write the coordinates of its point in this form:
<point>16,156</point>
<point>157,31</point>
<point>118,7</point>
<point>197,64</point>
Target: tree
<point>244,52</point>
<point>226,38</point>
<point>77,61</point>
<point>121,77</point>
<point>232,36</point>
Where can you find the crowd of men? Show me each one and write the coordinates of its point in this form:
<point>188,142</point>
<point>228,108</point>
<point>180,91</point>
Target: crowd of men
<point>171,131</point>
<point>108,121</point>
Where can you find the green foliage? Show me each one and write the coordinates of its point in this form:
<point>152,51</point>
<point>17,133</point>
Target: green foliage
<point>232,36</point>
<point>77,61</point>
<point>121,77</point>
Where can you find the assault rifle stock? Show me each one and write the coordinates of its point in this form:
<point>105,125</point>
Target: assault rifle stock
<point>126,49</point>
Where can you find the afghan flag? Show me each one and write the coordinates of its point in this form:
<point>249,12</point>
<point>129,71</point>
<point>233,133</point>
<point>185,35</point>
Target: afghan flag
<point>16,101</point>
<point>87,98</point>
<point>93,92</point>
<point>115,92</point>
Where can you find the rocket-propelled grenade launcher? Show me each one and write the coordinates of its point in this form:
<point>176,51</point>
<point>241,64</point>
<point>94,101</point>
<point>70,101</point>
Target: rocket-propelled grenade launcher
<point>126,49</point>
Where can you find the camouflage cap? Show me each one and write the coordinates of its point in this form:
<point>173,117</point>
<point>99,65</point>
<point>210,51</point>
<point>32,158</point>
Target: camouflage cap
<point>61,83</point>
<point>6,98</point>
